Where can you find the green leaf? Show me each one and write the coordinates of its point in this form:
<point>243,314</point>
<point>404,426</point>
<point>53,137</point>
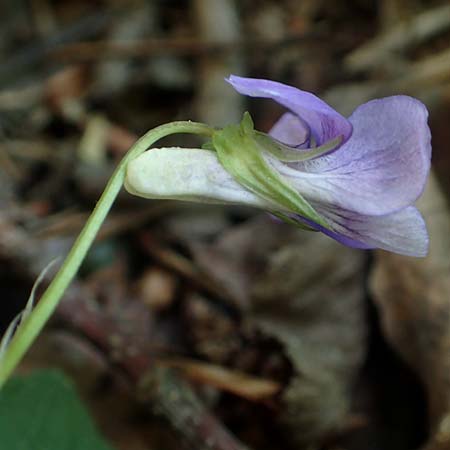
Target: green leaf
<point>240,154</point>
<point>42,411</point>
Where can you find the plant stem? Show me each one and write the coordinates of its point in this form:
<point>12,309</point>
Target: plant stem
<point>33,324</point>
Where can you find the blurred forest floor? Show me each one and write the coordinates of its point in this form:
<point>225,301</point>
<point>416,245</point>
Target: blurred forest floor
<point>207,327</point>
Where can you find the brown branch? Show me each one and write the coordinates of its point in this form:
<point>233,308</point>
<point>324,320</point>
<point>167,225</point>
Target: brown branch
<point>93,51</point>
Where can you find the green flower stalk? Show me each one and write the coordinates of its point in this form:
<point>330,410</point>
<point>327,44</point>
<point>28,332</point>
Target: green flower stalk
<point>32,323</point>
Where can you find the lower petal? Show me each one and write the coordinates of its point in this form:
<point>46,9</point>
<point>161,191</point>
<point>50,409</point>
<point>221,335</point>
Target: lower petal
<point>402,232</point>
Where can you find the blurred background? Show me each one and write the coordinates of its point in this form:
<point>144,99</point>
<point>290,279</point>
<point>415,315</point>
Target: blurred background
<point>215,327</point>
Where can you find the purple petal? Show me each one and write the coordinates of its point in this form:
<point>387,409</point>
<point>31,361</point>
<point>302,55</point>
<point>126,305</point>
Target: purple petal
<point>290,130</point>
<point>402,232</point>
<point>381,169</point>
<point>325,123</point>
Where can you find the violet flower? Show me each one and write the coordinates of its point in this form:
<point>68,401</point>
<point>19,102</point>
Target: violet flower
<point>356,179</point>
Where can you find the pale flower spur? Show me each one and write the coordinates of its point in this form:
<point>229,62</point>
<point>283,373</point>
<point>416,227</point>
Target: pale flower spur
<point>363,186</point>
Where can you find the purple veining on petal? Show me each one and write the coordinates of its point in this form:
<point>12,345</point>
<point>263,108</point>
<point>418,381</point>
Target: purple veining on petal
<point>345,240</point>
<point>365,188</point>
<point>325,123</point>
<point>401,232</point>
<point>381,169</point>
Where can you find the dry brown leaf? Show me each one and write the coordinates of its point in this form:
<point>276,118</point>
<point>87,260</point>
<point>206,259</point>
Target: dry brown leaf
<point>413,296</point>
<point>307,291</point>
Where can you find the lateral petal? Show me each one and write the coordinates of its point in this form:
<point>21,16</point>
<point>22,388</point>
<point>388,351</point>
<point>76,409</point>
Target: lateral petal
<point>381,169</point>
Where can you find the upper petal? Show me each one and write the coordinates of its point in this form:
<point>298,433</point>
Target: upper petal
<point>382,168</point>
<point>402,232</point>
<point>325,123</point>
<point>290,130</point>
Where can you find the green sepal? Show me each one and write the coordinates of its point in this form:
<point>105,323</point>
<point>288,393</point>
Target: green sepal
<point>292,221</point>
<point>287,154</point>
<point>241,155</point>
<point>208,145</point>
